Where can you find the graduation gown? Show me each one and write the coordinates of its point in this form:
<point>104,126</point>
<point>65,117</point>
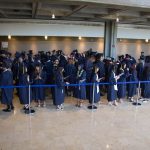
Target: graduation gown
<point>39,92</point>
<point>121,93</point>
<point>112,88</point>
<point>70,70</point>
<point>140,69</point>
<point>101,66</point>
<point>7,93</point>
<point>80,91</point>
<point>24,92</point>
<point>94,90</point>
<point>49,71</point>
<point>88,69</point>
<point>59,89</point>
<point>145,92</point>
<point>132,87</point>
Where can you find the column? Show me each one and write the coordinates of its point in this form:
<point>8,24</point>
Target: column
<point>110,39</point>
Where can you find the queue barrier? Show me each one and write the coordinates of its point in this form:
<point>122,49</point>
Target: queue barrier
<point>80,84</point>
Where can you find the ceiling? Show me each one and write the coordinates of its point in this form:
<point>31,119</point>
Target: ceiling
<point>15,10</point>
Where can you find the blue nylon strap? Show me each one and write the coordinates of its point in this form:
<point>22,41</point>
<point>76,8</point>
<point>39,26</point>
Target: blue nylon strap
<point>82,84</point>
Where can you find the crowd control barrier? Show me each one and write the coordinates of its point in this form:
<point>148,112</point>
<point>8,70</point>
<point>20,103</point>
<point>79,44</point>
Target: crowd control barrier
<point>136,103</point>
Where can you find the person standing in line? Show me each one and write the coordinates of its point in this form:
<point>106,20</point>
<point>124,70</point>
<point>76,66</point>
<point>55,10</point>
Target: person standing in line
<point>24,80</point>
<point>132,87</point>
<point>124,72</point>
<point>112,87</point>
<point>39,92</point>
<point>59,90</point>
<point>80,91</point>
<point>7,93</point>
<point>94,89</point>
<point>145,87</point>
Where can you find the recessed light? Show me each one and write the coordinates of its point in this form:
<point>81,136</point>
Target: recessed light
<point>53,16</point>
<point>146,40</point>
<point>9,37</point>
<point>117,19</point>
<point>80,37</point>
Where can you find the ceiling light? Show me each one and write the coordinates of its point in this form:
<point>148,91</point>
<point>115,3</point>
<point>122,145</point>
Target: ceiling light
<point>53,16</point>
<point>9,37</point>
<point>46,37</point>
<point>80,37</point>
<point>107,146</point>
<point>146,40</point>
<point>117,19</point>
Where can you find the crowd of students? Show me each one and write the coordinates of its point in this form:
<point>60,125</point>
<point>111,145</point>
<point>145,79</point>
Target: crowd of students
<point>55,68</point>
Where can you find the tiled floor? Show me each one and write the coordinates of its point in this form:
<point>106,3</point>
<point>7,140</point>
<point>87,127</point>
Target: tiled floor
<point>125,127</point>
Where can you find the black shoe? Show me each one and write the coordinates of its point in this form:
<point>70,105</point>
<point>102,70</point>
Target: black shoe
<point>12,107</point>
<point>24,108</point>
<point>7,110</point>
<point>101,94</point>
<point>29,111</point>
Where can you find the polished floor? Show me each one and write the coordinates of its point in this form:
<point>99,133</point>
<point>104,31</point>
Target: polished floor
<point>125,127</point>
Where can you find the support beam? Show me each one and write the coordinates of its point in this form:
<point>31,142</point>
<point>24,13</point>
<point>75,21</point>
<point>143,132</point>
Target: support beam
<point>3,14</point>
<point>35,6</point>
<point>75,10</point>
<point>110,39</point>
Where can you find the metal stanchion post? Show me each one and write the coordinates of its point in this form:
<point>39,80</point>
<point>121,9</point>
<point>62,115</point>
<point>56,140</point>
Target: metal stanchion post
<point>93,106</point>
<point>30,111</point>
<point>29,98</point>
<point>138,96</point>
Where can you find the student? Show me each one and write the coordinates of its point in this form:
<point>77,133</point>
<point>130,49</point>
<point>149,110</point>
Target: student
<point>146,86</point>
<point>101,74</point>
<point>131,88</point>
<point>123,72</point>
<point>80,91</point>
<point>112,87</point>
<point>24,91</point>
<point>70,74</point>
<point>7,93</point>
<point>94,89</point>
<point>88,68</point>
<point>59,89</point>
<point>39,92</point>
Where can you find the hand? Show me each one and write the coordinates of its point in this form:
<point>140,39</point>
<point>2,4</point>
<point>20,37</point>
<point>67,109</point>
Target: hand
<point>67,83</point>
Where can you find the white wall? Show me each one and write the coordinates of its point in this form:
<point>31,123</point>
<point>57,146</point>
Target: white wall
<point>68,30</point>
<point>133,48</point>
<point>65,44</point>
<point>27,29</point>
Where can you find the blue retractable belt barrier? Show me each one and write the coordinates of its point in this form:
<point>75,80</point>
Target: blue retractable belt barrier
<point>81,84</point>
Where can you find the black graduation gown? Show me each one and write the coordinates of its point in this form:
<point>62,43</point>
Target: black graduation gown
<point>101,66</point>
<point>59,89</point>
<point>94,90</point>
<point>39,92</point>
<point>132,86</point>
<point>49,71</point>
<point>140,69</point>
<point>70,70</point>
<point>24,92</point>
<point>111,92</point>
<point>80,91</point>
<point>122,88</point>
<point>7,93</point>
<point>145,92</point>
<point>54,71</point>
<point>88,68</point>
